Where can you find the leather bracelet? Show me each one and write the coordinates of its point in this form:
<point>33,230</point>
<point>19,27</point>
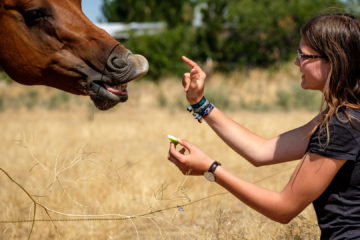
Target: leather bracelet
<point>213,166</point>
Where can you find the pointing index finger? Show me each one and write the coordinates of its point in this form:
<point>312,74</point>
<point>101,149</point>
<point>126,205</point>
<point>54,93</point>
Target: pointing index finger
<point>189,62</point>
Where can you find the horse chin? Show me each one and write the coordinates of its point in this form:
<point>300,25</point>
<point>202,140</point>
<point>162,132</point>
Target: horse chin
<point>104,99</point>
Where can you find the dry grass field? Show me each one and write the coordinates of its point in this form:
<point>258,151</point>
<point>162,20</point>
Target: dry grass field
<point>105,175</point>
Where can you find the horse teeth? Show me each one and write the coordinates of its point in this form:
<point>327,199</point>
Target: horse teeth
<point>121,86</point>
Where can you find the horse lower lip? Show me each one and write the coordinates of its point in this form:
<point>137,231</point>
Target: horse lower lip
<point>115,90</point>
<point>104,99</point>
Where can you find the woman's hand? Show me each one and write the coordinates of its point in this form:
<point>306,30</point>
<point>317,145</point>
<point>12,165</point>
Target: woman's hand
<point>193,82</point>
<point>195,162</point>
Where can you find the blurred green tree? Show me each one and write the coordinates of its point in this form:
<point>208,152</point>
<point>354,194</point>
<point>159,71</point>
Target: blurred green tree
<point>233,33</point>
<point>256,33</point>
<point>165,49</point>
<point>172,12</point>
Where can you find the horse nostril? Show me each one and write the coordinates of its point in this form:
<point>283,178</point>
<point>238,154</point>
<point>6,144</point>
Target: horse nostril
<point>119,63</point>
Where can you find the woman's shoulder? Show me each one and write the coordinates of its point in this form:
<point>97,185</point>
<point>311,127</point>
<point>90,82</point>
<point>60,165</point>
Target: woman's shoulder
<point>346,125</point>
<point>354,112</point>
<point>348,118</point>
<point>340,139</point>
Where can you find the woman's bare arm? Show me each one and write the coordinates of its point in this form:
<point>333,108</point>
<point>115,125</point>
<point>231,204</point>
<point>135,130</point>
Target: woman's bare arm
<point>311,177</point>
<point>257,150</point>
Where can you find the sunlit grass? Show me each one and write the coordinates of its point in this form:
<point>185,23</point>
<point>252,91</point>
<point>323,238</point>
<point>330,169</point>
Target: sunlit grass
<point>77,160</point>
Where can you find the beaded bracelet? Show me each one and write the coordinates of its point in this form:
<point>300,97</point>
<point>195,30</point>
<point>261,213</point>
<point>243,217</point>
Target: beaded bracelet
<point>201,109</point>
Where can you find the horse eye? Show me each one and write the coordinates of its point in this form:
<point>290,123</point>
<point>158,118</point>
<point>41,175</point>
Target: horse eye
<point>34,16</point>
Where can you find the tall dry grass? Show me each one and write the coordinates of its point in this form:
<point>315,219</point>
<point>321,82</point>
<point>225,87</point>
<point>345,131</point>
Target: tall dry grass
<point>85,162</point>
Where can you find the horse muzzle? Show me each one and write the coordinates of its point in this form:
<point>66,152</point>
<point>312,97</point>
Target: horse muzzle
<point>119,70</point>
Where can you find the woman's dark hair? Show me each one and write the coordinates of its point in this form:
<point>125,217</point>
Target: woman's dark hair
<point>337,36</point>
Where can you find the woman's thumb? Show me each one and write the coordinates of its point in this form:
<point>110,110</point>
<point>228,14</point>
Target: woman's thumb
<point>185,144</point>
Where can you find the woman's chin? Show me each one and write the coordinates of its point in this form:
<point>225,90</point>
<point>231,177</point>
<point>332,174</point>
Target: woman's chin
<point>303,84</point>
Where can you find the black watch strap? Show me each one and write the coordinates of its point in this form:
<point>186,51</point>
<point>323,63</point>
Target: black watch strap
<point>213,166</point>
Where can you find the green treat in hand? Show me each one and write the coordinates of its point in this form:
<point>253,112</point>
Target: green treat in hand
<point>173,139</point>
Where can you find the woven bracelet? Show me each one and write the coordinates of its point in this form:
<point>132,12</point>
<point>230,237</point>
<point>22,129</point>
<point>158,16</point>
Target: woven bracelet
<point>201,102</point>
<point>201,110</point>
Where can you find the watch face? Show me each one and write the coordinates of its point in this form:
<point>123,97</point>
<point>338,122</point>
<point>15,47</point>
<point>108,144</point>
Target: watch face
<point>209,176</point>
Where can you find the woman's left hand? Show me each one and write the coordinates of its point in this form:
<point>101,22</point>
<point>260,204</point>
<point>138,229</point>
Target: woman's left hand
<point>195,162</point>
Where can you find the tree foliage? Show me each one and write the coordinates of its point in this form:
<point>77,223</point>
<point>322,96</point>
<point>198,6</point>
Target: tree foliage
<point>234,33</point>
<point>172,12</point>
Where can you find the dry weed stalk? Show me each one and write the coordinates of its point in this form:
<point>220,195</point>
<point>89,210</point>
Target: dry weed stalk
<point>32,199</point>
<point>99,217</point>
<point>113,217</point>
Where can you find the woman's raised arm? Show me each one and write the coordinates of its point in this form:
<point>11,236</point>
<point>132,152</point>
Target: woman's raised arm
<point>260,151</point>
<point>257,150</point>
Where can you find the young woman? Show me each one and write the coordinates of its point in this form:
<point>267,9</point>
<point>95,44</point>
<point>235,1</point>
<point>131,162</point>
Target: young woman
<point>329,145</point>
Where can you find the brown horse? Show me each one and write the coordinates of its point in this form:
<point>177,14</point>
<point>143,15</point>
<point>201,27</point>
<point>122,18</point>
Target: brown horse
<point>52,43</point>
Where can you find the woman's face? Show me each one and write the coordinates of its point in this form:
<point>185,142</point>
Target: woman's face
<point>314,71</point>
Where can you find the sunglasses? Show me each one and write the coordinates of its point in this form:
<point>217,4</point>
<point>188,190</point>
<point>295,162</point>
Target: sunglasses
<point>302,57</point>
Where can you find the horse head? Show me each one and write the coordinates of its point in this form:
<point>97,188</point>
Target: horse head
<point>52,43</point>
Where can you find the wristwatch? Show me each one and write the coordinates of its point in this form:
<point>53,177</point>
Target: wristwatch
<point>209,175</point>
